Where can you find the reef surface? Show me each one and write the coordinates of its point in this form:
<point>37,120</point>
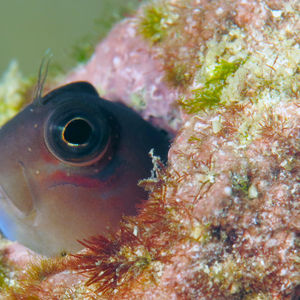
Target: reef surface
<point>222,218</point>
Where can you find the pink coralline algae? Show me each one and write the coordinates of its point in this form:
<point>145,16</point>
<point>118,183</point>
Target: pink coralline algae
<point>222,218</point>
<point>124,69</point>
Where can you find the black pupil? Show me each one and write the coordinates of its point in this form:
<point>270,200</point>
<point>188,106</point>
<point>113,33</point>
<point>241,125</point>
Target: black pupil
<point>77,132</point>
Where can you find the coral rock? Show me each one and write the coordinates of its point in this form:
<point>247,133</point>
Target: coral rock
<point>222,218</point>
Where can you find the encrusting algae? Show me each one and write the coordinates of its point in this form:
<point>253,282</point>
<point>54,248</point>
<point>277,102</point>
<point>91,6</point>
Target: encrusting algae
<point>222,218</point>
<point>13,92</point>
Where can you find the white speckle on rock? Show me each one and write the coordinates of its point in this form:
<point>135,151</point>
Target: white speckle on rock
<point>116,61</point>
<point>228,190</point>
<point>199,126</point>
<point>216,124</point>
<point>131,31</point>
<point>252,192</point>
<point>276,13</point>
<point>283,272</point>
<point>187,124</point>
<point>271,243</point>
<point>219,11</point>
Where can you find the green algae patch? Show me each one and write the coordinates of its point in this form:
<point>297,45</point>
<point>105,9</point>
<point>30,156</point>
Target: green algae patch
<point>209,94</point>
<point>83,50</point>
<point>178,74</point>
<point>137,100</point>
<point>7,274</point>
<point>14,92</point>
<point>240,184</point>
<point>152,25</point>
<point>3,276</point>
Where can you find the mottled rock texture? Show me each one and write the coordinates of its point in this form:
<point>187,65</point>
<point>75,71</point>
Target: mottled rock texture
<point>222,218</point>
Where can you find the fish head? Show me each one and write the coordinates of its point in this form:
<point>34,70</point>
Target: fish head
<point>69,167</point>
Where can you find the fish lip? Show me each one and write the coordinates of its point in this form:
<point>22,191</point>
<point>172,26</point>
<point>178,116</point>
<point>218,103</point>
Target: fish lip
<point>13,211</point>
<point>10,206</point>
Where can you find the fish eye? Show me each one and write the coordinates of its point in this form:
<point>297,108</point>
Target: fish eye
<point>77,134</point>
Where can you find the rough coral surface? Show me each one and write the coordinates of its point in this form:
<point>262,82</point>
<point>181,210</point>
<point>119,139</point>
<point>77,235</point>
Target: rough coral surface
<point>222,218</point>
<point>124,69</point>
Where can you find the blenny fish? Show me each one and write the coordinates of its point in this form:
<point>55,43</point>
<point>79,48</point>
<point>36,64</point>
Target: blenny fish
<point>70,163</point>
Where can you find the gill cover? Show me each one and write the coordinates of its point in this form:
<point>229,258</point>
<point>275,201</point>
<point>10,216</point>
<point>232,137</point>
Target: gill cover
<point>69,167</point>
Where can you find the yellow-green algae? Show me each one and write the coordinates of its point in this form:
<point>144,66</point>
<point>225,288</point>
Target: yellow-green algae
<point>158,24</point>
<point>222,76</point>
<point>13,92</point>
<point>230,72</point>
<point>265,77</point>
<point>209,94</point>
<point>7,271</point>
<point>155,21</point>
<point>217,72</point>
<point>240,183</point>
<point>3,276</point>
<point>137,100</point>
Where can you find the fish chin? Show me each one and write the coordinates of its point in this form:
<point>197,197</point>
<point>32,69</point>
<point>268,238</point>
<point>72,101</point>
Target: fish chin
<point>7,223</point>
<point>13,220</point>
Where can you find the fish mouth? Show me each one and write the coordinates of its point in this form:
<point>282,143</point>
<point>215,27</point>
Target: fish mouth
<point>8,205</point>
<point>13,221</point>
<point>7,224</point>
